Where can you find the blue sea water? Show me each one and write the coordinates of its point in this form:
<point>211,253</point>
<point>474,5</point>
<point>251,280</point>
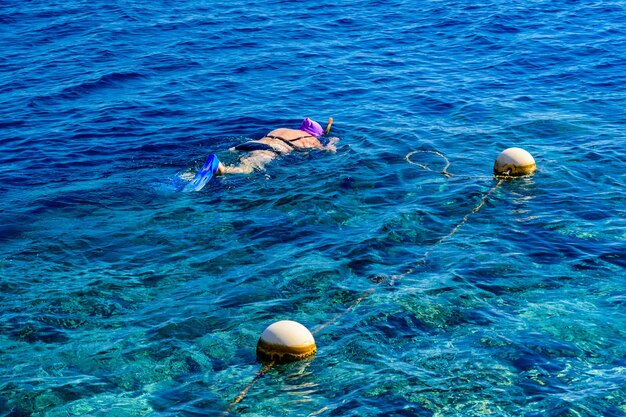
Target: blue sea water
<point>120,296</point>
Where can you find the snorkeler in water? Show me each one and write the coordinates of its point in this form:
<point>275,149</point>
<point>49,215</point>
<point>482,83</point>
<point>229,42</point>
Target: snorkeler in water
<point>260,152</point>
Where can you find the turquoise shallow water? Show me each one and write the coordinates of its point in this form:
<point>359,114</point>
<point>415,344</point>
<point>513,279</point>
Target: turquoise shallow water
<point>121,297</point>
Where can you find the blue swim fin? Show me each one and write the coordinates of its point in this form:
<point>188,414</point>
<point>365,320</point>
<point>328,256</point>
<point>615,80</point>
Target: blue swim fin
<point>204,175</point>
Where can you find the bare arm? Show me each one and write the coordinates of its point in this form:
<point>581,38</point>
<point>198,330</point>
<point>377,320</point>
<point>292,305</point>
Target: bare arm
<point>331,144</point>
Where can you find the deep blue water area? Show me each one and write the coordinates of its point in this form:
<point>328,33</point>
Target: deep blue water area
<point>121,296</point>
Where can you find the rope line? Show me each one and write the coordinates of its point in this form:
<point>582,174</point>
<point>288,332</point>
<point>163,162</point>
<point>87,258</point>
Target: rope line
<point>244,391</point>
<point>444,171</point>
<point>456,228</point>
<point>391,281</point>
<point>347,310</point>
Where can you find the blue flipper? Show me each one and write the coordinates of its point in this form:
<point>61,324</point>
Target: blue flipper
<point>204,175</point>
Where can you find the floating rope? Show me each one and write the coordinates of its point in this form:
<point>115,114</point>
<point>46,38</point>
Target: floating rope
<point>480,204</point>
<point>443,171</point>
<point>380,279</point>
<point>244,391</point>
<point>347,310</point>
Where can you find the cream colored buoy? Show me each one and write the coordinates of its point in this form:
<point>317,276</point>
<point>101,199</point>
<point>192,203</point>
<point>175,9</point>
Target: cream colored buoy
<point>285,341</point>
<point>514,162</point>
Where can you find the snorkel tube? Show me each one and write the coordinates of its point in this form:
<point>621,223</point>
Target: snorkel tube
<point>330,123</point>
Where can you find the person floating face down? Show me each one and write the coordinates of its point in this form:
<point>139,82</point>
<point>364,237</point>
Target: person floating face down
<point>278,142</point>
<point>260,152</point>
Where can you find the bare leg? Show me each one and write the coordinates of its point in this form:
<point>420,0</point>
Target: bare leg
<point>247,164</point>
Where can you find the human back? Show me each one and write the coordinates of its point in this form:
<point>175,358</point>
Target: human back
<point>295,137</point>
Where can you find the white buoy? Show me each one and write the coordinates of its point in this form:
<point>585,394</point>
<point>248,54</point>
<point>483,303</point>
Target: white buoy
<point>515,162</point>
<point>285,341</point>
